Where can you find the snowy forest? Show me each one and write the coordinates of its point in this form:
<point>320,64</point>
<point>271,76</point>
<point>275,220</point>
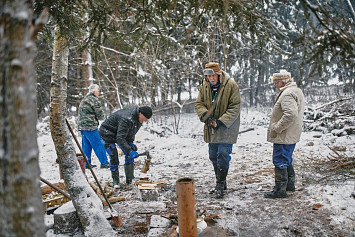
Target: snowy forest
<point>144,52</point>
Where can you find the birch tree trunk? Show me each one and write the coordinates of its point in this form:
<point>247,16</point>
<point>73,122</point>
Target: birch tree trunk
<point>86,202</point>
<point>86,67</point>
<point>21,208</point>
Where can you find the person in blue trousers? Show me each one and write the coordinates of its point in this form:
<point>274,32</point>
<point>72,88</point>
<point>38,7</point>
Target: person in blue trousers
<point>90,112</point>
<point>284,132</point>
<point>218,106</point>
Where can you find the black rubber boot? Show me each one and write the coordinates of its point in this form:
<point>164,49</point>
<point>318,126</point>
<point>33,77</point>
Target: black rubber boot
<point>116,179</point>
<point>129,172</point>
<point>213,190</point>
<point>221,183</point>
<point>280,185</point>
<point>291,179</point>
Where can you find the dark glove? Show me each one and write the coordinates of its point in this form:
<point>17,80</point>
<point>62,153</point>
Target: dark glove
<point>134,147</point>
<point>133,154</point>
<point>203,115</point>
<point>219,124</point>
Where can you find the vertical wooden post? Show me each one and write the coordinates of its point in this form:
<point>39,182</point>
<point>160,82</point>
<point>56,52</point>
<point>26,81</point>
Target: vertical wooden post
<point>185,191</point>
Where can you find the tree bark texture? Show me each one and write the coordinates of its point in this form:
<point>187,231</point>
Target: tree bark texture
<point>21,208</point>
<point>85,200</point>
<point>86,67</point>
<point>86,70</point>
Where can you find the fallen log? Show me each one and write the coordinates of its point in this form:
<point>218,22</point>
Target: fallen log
<point>116,199</point>
<point>331,102</point>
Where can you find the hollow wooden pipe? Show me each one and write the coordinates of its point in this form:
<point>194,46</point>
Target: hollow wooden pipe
<point>185,191</point>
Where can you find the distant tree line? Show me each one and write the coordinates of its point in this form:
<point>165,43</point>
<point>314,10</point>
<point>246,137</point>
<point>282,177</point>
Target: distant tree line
<point>151,52</point>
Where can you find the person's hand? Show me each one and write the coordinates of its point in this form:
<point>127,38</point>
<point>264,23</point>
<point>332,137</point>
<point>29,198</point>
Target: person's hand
<point>133,154</point>
<point>133,146</point>
<point>218,124</point>
<point>273,133</point>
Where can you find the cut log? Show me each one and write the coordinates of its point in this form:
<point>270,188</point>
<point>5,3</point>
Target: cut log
<point>116,199</point>
<point>66,220</point>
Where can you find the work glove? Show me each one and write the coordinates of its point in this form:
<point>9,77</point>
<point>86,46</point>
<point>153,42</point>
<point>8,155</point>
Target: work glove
<point>133,154</point>
<point>134,147</point>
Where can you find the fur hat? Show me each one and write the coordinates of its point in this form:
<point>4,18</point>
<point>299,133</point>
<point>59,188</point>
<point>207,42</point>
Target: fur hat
<point>146,111</point>
<point>282,75</point>
<point>214,66</point>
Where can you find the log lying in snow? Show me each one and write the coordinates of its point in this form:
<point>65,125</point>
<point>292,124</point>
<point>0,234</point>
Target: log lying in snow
<point>109,194</point>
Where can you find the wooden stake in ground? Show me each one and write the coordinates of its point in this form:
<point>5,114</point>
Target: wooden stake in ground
<point>185,191</point>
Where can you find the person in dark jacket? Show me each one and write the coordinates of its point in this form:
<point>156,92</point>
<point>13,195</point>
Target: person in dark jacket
<point>218,106</point>
<point>120,128</point>
<point>90,112</point>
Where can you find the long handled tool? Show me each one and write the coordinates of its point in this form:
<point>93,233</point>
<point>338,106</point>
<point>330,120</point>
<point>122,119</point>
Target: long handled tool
<point>56,188</point>
<point>114,214</point>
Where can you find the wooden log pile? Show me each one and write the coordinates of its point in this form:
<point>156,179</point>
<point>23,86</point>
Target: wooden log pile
<point>336,117</point>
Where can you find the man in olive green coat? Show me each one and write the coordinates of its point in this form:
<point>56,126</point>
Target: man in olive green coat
<point>218,106</point>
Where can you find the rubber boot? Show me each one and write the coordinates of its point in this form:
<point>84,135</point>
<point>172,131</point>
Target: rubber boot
<point>116,179</point>
<point>213,190</point>
<point>221,182</point>
<point>280,185</point>
<point>291,179</point>
<point>129,172</point>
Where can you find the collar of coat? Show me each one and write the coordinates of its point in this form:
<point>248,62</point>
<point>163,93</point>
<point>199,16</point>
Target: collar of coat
<point>288,85</point>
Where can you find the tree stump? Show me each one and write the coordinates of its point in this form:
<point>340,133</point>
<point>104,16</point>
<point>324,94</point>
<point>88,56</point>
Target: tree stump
<point>66,220</point>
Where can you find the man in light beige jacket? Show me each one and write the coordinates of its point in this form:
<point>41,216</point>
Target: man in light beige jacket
<point>285,131</point>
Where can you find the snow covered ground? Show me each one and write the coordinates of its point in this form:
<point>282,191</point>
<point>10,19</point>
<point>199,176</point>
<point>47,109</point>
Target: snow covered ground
<point>322,205</point>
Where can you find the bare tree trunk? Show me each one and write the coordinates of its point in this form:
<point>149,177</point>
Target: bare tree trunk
<point>21,208</point>
<point>86,66</point>
<point>86,202</point>
<point>153,90</point>
<point>86,70</point>
<point>260,82</point>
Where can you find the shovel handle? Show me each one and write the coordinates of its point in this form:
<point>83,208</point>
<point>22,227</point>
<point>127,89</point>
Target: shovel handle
<point>56,188</point>
<point>87,162</point>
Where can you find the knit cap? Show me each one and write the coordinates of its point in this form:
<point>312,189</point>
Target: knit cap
<point>146,111</point>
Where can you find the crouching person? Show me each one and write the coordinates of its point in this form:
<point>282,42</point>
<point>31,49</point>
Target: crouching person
<point>120,128</point>
<point>285,131</point>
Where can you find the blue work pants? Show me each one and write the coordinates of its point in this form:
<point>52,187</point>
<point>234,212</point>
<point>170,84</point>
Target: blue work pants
<point>112,152</point>
<point>91,140</point>
<point>282,155</point>
<point>219,154</point>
